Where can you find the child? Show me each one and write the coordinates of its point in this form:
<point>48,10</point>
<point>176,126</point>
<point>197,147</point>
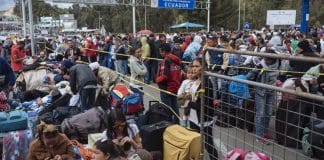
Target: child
<point>184,94</point>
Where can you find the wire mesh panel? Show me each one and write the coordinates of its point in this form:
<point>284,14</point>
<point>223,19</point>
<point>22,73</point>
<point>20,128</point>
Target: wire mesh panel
<point>260,119</point>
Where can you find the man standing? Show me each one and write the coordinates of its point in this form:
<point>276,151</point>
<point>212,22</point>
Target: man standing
<point>72,53</point>
<point>18,55</point>
<point>7,77</point>
<point>121,57</point>
<point>84,81</point>
<point>217,62</point>
<point>169,76</point>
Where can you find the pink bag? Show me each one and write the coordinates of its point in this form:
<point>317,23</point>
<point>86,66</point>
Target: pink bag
<point>240,154</point>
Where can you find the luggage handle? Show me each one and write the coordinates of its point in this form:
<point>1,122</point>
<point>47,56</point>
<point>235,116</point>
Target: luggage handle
<point>151,103</point>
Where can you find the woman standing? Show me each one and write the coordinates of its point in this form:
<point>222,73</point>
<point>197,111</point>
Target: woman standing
<point>195,107</point>
<point>138,70</point>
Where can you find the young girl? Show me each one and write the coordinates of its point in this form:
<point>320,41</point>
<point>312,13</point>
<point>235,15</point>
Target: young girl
<point>184,94</point>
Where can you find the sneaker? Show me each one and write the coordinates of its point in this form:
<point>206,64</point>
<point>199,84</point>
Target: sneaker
<point>265,139</point>
<point>216,102</point>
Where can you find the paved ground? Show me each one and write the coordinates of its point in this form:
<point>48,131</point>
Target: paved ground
<point>229,138</point>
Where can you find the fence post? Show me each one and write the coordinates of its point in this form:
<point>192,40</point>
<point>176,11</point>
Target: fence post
<point>202,105</point>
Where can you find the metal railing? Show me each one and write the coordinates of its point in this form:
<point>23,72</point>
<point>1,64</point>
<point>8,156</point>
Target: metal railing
<point>278,112</point>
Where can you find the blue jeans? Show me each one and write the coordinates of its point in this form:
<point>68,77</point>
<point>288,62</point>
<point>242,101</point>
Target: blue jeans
<point>217,87</point>
<point>121,66</point>
<point>148,76</point>
<point>263,106</point>
<point>170,101</point>
<point>87,97</point>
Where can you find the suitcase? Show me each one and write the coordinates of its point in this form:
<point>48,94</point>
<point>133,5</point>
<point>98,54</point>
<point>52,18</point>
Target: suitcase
<point>157,112</point>
<point>152,135</point>
<point>180,143</point>
<point>12,121</point>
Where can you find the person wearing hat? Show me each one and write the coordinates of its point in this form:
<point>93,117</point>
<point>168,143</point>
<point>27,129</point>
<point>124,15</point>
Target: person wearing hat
<point>176,50</point>
<point>18,54</point>
<point>303,49</point>
<point>217,62</point>
<point>105,76</point>
<point>7,76</point>
<point>50,144</point>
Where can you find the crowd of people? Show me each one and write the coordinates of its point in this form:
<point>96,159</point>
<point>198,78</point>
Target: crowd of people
<point>175,63</point>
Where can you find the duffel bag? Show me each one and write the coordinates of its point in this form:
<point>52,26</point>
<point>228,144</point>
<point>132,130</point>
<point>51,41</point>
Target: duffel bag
<point>78,127</point>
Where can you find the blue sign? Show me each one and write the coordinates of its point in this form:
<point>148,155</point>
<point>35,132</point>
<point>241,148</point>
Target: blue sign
<point>173,4</point>
<point>247,25</point>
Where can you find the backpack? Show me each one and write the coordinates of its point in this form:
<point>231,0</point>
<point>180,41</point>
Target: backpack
<point>122,97</point>
<point>78,127</point>
<point>240,154</point>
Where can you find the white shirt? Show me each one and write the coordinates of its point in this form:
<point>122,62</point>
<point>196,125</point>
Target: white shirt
<point>185,86</point>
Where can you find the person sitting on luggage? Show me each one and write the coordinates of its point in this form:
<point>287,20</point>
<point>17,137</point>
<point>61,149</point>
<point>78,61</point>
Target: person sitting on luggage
<point>122,133</point>
<point>84,81</point>
<point>50,144</point>
<point>106,77</point>
<point>106,150</point>
<point>184,94</point>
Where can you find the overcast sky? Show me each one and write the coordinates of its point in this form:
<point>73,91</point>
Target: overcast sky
<point>6,4</point>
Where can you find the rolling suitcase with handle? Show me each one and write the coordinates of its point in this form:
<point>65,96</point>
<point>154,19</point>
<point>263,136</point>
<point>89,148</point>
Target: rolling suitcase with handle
<point>180,143</point>
<point>152,135</point>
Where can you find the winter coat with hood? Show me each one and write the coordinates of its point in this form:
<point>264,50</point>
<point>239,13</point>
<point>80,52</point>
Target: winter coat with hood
<point>169,73</point>
<point>191,52</point>
<point>106,77</point>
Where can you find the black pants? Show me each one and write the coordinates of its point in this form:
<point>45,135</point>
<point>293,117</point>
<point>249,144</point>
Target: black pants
<point>209,142</point>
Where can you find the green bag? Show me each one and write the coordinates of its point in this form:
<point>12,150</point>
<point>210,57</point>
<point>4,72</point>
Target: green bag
<point>306,146</point>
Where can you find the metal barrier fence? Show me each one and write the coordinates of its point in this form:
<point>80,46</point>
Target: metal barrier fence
<point>248,108</point>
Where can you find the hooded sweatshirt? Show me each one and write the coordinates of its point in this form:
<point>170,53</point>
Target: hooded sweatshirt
<point>145,48</point>
<point>169,73</point>
<point>191,52</point>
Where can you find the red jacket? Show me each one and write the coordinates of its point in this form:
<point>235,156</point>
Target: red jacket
<point>169,73</point>
<point>92,50</point>
<point>15,51</point>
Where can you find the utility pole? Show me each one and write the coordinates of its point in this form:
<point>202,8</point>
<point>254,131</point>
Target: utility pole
<point>208,15</point>
<point>23,17</point>
<point>244,20</point>
<point>134,18</point>
<point>145,15</point>
<point>239,17</point>
<point>99,21</point>
<point>31,26</point>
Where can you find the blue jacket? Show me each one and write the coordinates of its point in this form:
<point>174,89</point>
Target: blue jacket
<point>6,73</point>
